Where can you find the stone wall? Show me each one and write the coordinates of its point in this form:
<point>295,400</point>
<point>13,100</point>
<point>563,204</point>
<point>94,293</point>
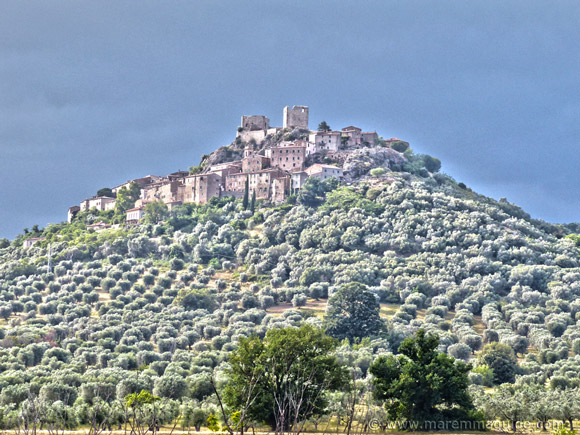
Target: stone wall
<point>297,117</point>
<point>253,122</point>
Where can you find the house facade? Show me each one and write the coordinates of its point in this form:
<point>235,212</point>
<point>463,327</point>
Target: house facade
<point>322,141</point>
<point>100,203</point>
<point>324,172</point>
<point>287,157</point>
<point>167,192</point>
<point>135,215</point>
<point>255,162</point>
<point>201,188</point>
<point>354,135</point>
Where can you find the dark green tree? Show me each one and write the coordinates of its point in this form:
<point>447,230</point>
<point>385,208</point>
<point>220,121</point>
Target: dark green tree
<point>283,378</point>
<point>155,212</point>
<point>126,198</point>
<point>421,385</point>
<point>323,126</point>
<point>501,359</point>
<point>106,191</point>
<point>353,313</point>
<point>246,199</point>
<point>400,146</point>
<point>312,192</point>
<point>432,164</point>
<point>195,299</point>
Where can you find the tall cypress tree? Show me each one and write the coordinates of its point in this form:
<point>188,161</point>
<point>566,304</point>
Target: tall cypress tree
<point>246,195</point>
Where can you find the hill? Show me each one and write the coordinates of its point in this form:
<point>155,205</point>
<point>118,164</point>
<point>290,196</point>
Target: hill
<point>157,306</point>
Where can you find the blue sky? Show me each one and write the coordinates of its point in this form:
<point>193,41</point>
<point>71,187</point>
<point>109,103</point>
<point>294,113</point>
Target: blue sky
<point>95,93</point>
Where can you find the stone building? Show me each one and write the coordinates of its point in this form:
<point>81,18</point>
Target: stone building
<point>354,135</point>
<point>135,215</point>
<point>72,212</point>
<point>261,182</point>
<point>177,176</point>
<point>224,169</point>
<point>280,189</point>
<point>288,157</point>
<point>169,192</point>
<point>201,188</point>
<point>142,182</point>
<point>255,162</point>
<point>323,141</point>
<point>236,182</point>
<point>369,137</point>
<point>253,128</point>
<point>324,171</point>
<point>254,122</point>
<point>100,203</point>
<point>298,179</point>
<point>297,117</point>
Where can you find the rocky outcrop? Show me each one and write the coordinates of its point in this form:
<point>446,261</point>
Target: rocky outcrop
<point>357,163</point>
<point>222,155</point>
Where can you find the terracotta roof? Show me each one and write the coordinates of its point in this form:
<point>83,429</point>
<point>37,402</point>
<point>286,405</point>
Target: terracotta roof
<point>98,224</point>
<point>327,133</point>
<point>322,165</point>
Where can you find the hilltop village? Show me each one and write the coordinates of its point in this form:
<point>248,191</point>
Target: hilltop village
<point>268,162</point>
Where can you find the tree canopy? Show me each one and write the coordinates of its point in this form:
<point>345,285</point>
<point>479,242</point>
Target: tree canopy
<point>353,312</point>
<point>421,384</point>
<point>282,379</point>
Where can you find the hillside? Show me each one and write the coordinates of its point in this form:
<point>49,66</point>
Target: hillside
<point>158,306</point>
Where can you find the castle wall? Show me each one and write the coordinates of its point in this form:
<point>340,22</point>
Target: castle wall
<point>297,117</point>
<point>255,123</point>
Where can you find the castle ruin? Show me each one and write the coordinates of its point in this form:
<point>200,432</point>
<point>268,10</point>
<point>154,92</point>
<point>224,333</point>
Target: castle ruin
<point>297,117</point>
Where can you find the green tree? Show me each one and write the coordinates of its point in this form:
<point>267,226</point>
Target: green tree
<point>246,199</point>
<point>283,378</point>
<point>568,405</point>
<point>422,385</point>
<point>312,192</point>
<point>400,146</point>
<point>511,402</point>
<point>353,313</point>
<point>126,198</point>
<point>432,164</point>
<point>323,126</point>
<point>501,359</point>
<point>377,172</point>
<point>195,299</point>
<point>156,212</point>
<point>106,191</point>
<point>143,412</point>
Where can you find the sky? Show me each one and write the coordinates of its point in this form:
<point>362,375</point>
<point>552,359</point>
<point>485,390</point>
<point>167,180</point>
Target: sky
<point>93,94</point>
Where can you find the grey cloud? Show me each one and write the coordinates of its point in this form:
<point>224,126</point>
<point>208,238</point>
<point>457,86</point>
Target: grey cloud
<point>95,93</point>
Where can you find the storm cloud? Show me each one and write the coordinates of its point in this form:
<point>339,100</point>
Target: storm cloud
<point>95,93</point>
